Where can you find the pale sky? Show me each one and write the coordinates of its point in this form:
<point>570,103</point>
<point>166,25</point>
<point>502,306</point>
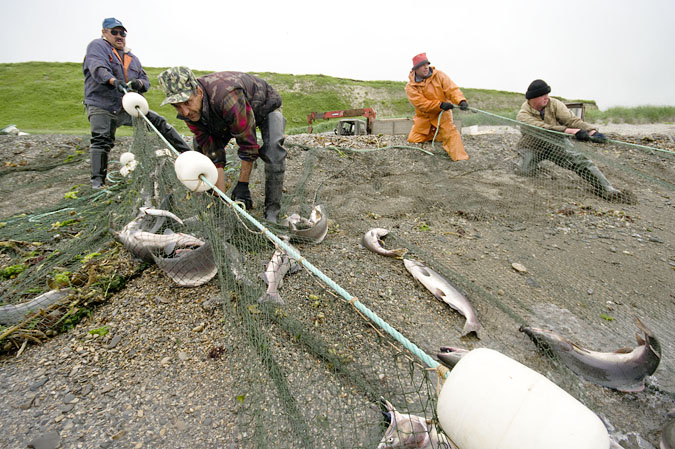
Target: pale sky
<point>617,52</point>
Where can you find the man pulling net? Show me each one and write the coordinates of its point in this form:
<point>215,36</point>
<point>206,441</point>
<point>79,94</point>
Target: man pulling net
<point>536,145</point>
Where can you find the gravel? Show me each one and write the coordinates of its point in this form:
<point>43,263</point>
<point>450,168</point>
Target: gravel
<point>151,383</point>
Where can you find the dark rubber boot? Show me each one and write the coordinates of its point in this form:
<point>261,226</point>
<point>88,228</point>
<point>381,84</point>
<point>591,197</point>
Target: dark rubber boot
<point>273,154</point>
<point>274,184</point>
<point>527,165</point>
<point>168,131</point>
<point>601,185</point>
<point>99,167</point>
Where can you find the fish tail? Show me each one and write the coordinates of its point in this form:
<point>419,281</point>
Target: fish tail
<point>473,326</point>
<point>400,252</point>
<point>271,297</point>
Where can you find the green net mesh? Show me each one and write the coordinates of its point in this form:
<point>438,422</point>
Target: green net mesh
<point>538,247</point>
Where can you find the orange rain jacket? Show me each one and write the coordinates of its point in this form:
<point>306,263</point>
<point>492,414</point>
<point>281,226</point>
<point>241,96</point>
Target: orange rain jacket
<point>426,96</point>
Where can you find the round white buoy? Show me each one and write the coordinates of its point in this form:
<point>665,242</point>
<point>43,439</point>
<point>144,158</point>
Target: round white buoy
<point>128,168</point>
<point>190,165</point>
<point>132,99</point>
<point>490,400</point>
<point>127,157</point>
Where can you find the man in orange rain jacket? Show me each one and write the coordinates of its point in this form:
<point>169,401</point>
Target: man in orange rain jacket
<point>431,91</point>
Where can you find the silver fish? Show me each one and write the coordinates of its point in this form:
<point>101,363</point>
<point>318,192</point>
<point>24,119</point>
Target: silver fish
<point>312,230</point>
<point>373,241</point>
<point>410,431</point>
<point>12,314</point>
<point>623,370</point>
<point>449,355</point>
<point>139,237</point>
<point>280,264</point>
<point>190,267</point>
<point>159,213</point>
<point>444,291</point>
<point>168,241</point>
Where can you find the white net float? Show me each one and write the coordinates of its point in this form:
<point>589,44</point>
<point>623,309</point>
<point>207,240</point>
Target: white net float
<point>132,99</point>
<point>163,152</point>
<point>128,168</point>
<point>490,400</point>
<point>190,165</point>
<point>127,157</point>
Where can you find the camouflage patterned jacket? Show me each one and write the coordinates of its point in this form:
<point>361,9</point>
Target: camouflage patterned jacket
<point>234,104</point>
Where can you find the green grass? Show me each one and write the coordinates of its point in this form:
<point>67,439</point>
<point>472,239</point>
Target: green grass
<point>46,97</point>
<point>639,114</point>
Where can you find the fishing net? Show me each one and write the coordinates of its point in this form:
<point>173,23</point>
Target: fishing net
<point>540,248</point>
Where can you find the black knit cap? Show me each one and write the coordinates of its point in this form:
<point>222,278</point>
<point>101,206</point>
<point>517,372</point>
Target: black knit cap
<point>537,88</point>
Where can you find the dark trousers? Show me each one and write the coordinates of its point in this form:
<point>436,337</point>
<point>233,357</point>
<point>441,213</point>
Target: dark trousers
<point>104,124</point>
<point>273,153</point>
<point>561,152</point>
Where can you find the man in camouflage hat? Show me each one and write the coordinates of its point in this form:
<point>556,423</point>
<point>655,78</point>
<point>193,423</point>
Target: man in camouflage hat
<point>224,105</point>
<point>110,69</point>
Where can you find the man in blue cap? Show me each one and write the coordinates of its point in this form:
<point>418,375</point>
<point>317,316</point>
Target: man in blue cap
<point>110,70</point>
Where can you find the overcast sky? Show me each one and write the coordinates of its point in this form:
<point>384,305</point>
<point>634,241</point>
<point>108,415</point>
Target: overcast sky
<point>618,52</point>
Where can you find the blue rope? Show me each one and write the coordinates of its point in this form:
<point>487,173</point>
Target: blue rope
<point>328,281</point>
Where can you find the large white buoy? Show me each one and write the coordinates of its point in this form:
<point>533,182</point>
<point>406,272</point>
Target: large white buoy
<point>190,165</point>
<point>491,401</point>
<point>132,99</point>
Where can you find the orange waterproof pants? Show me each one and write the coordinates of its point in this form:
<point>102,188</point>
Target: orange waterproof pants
<point>448,134</point>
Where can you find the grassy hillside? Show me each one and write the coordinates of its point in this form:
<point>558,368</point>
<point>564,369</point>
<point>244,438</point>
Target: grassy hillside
<point>46,97</point>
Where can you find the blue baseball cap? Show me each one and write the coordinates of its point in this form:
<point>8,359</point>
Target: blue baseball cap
<point>112,22</point>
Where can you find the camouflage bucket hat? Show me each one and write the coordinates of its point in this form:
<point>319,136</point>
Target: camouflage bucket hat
<point>178,83</point>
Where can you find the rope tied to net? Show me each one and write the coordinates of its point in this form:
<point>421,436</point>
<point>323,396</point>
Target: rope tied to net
<point>443,372</point>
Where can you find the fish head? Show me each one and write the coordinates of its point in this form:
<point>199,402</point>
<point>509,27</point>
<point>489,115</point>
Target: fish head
<point>379,232</point>
<point>449,355</point>
<point>371,239</point>
<point>547,339</point>
<point>316,214</point>
<point>423,274</point>
<point>404,431</point>
<point>291,221</point>
<point>411,265</point>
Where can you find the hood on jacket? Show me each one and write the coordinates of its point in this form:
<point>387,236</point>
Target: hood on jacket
<point>413,80</point>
